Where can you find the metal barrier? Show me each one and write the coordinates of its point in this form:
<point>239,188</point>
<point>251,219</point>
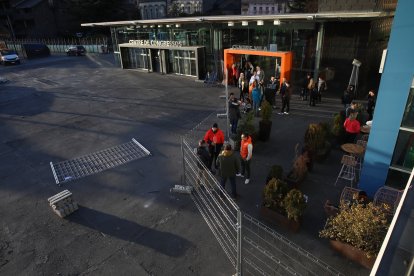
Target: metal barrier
<point>59,45</point>
<point>252,247</point>
<point>220,212</point>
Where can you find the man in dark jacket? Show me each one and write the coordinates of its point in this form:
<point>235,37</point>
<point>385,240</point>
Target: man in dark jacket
<point>229,165</point>
<point>371,104</point>
<point>204,155</point>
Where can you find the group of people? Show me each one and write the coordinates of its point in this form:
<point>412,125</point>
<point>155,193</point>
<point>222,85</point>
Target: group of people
<point>214,153</point>
<point>313,89</point>
<point>351,125</point>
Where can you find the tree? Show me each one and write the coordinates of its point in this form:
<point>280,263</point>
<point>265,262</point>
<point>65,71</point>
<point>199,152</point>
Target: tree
<point>93,10</point>
<point>297,6</point>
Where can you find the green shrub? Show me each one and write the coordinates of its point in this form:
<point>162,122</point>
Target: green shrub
<point>294,204</point>
<point>274,192</point>
<point>362,226</point>
<point>266,111</point>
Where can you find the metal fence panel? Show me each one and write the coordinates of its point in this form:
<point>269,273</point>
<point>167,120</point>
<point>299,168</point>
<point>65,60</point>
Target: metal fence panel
<point>252,247</point>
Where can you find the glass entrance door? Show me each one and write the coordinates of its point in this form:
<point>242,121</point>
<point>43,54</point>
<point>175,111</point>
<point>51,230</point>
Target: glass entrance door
<point>135,58</point>
<point>183,62</point>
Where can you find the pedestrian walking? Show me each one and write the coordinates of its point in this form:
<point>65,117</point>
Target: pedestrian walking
<point>214,137</point>
<point>229,165</point>
<point>271,90</point>
<point>246,153</point>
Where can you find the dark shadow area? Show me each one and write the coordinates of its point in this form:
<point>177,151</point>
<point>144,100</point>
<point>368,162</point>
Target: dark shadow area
<point>163,242</point>
<point>24,101</point>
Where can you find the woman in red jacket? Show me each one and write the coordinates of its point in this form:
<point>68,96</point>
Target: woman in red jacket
<point>352,127</point>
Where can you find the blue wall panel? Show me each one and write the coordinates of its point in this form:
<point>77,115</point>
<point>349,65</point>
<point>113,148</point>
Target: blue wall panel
<point>392,97</point>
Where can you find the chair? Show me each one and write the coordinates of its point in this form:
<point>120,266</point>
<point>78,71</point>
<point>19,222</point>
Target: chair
<point>360,158</point>
<point>389,196</point>
<point>349,194</point>
<point>348,169</point>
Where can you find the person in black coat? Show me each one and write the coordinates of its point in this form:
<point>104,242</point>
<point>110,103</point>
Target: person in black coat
<point>371,104</point>
<point>204,162</point>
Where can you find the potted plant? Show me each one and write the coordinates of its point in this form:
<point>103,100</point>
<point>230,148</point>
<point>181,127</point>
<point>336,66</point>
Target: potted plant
<point>357,231</point>
<point>265,125</point>
<point>337,127</point>
<point>246,125</point>
<point>295,204</point>
<point>299,170</point>
<point>281,206</point>
<point>316,141</point>
<point>276,171</point>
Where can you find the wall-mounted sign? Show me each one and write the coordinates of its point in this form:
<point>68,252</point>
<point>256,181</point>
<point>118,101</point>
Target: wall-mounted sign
<point>248,47</point>
<point>164,43</point>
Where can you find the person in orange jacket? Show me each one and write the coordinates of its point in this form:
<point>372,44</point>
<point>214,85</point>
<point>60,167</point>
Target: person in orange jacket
<point>246,153</point>
<point>214,137</point>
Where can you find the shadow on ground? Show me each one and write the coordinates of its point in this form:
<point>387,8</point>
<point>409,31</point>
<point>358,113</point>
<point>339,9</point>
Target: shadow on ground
<point>162,242</point>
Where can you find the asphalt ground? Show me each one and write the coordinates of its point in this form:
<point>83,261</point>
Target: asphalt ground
<point>129,223</point>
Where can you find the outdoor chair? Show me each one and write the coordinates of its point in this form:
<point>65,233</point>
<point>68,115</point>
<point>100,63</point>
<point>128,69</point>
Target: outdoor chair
<point>348,169</point>
<point>360,158</point>
<point>389,196</point>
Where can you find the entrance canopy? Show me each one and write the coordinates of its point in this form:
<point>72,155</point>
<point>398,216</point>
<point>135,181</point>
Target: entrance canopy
<point>283,66</point>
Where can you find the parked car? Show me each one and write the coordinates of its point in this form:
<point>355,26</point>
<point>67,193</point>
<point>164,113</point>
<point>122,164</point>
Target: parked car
<point>77,50</point>
<point>9,57</point>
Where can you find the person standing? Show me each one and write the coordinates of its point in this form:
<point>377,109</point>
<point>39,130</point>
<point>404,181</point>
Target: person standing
<point>229,165</point>
<point>285,93</point>
<point>204,155</point>
<point>371,104</point>
<point>271,90</point>
<point>243,86</point>
<point>214,137</point>
<point>260,75</point>
<point>234,112</point>
<point>352,127</point>
<point>256,96</point>
<point>246,153</point>
<point>307,87</point>
<point>321,87</point>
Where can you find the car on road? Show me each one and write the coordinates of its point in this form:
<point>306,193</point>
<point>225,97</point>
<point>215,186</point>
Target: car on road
<point>9,57</point>
<point>76,50</point>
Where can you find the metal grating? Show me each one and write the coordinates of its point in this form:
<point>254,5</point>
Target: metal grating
<point>69,170</point>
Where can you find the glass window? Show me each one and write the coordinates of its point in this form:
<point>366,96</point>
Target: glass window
<point>403,159</point>
<point>408,118</point>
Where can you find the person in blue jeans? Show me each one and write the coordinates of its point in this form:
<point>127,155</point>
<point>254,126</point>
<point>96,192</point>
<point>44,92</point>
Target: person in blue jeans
<point>256,97</point>
<point>229,165</point>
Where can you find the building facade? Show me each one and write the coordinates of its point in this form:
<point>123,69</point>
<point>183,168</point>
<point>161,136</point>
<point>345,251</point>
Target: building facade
<point>257,7</point>
<point>152,9</point>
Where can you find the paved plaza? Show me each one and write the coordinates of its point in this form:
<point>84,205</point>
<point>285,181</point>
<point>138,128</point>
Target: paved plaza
<point>129,223</point>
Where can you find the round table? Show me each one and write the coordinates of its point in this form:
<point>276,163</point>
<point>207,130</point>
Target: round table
<point>365,129</point>
<point>353,149</point>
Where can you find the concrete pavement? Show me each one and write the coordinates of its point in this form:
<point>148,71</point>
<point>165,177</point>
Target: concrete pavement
<point>129,222</point>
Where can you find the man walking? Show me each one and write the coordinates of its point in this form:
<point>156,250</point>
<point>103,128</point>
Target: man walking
<point>229,165</point>
<point>246,152</point>
<point>214,137</point>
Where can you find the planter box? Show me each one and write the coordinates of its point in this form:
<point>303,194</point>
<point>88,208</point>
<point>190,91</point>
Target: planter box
<point>276,218</point>
<point>353,253</point>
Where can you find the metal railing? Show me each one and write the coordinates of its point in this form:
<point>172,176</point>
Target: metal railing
<point>252,247</point>
<point>59,45</point>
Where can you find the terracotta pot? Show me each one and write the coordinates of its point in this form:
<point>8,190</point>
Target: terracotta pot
<point>353,253</point>
<point>275,218</point>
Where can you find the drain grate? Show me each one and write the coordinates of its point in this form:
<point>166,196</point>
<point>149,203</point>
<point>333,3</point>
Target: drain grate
<point>93,163</point>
